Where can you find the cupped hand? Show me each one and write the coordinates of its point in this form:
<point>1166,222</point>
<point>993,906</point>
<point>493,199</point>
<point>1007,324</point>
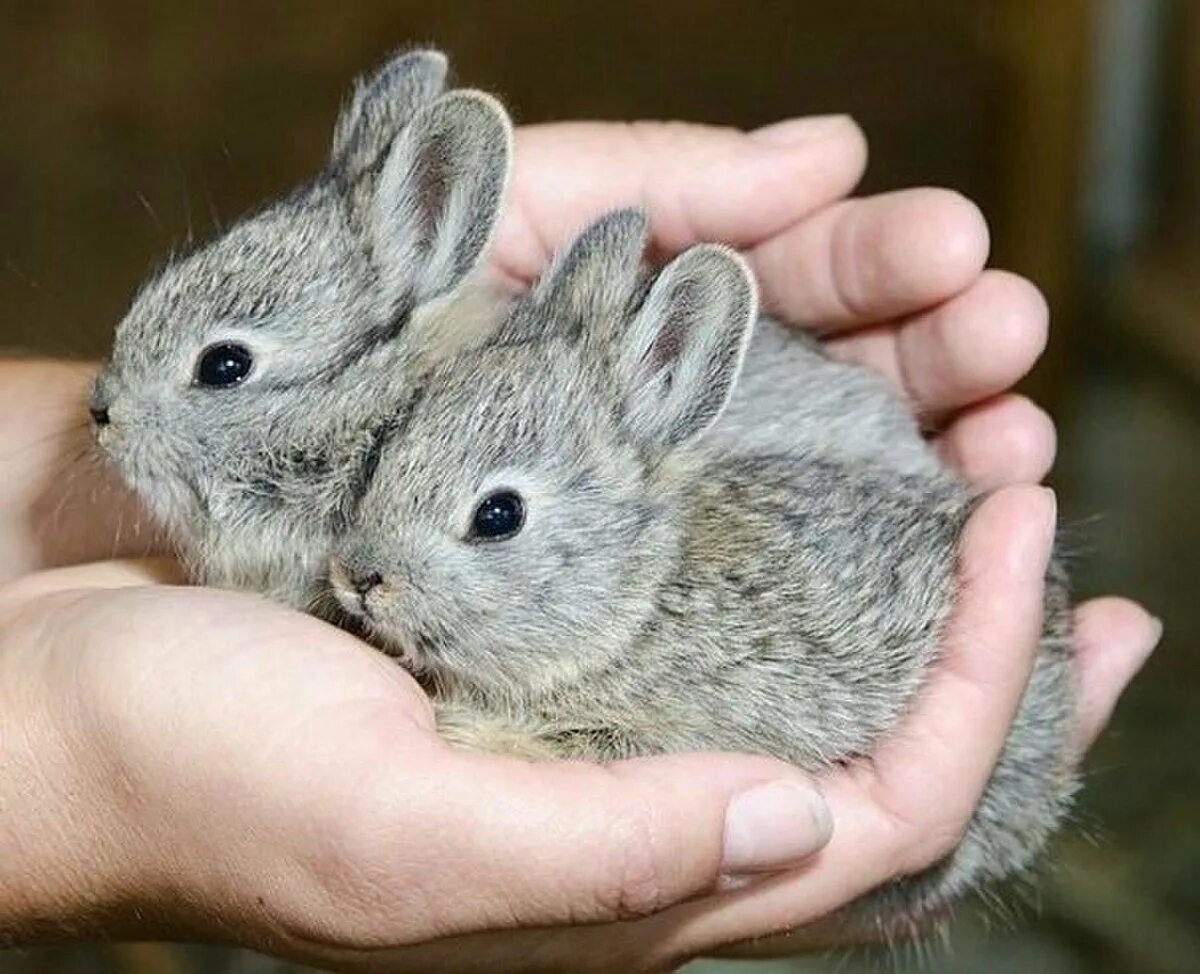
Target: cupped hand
<point>208,764</point>
<point>232,770</point>
<point>278,784</point>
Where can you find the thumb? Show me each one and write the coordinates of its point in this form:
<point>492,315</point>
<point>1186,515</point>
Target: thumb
<point>543,844</point>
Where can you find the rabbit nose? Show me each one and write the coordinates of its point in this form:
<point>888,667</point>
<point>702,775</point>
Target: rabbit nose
<point>99,415</point>
<point>362,584</point>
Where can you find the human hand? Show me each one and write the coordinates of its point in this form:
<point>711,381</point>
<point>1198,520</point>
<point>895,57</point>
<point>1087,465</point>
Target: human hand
<point>909,261</point>
<point>209,765</point>
<point>894,282</point>
<point>192,763</point>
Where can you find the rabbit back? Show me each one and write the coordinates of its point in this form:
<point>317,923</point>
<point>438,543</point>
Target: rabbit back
<point>1027,798</point>
<point>792,397</point>
<point>803,625</point>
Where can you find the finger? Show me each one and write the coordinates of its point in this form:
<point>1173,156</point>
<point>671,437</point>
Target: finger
<point>118,573</point>
<point>697,182</point>
<point>873,259</point>
<point>1113,638</point>
<point>1006,440</point>
<point>908,807</point>
<point>566,842</point>
<point>974,346</point>
<point>990,648</point>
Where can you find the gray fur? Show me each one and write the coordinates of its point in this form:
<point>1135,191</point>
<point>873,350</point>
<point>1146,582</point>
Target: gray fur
<point>379,105</point>
<point>667,592</point>
<point>329,288</point>
<point>793,397</point>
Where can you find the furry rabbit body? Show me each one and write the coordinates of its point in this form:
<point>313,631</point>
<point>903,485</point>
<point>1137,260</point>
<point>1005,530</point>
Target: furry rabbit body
<point>253,375</point>
<point>562,540</point>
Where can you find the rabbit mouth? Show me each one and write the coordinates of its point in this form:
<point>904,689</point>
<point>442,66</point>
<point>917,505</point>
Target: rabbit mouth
<point>352,601</point>
<point>413,649</point>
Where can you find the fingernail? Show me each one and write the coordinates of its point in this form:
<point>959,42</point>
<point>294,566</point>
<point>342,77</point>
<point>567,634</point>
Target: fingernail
<point>1032,545</point>
<point>797,131</point>
<point>774,826</point>
<point>1052,510</point>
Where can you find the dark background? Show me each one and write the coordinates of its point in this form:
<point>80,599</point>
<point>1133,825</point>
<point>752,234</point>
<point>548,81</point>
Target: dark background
<point>1075,125</point>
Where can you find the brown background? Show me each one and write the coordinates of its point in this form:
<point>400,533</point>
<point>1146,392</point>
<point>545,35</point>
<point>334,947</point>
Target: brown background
<point>123,122</point>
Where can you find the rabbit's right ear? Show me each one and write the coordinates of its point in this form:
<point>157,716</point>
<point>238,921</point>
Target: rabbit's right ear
<point>677,358</point>
<point>381,105</point>
<point>589,284</point>
<point>439,195</point>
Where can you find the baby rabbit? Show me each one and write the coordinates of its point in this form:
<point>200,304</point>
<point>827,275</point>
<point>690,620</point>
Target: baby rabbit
<point>252,378</point>
<point>558,541</point>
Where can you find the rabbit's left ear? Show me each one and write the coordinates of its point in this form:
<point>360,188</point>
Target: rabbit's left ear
<point>590,283</point>
<point>439,194</point>
<point>677,359</point>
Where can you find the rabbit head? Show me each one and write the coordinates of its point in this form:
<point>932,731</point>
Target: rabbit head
<point>527,502</point>
<point>235,355</point>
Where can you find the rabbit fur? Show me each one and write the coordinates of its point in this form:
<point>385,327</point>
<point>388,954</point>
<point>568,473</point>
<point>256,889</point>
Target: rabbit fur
<point>763,563</point>
<point>666,592</point>
<point>323,289</point>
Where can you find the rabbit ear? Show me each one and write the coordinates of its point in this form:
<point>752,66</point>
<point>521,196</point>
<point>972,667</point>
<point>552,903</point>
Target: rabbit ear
<point>590,283</point>
<point>379,107</point>
<point>439,196</point>
<point>677,360</point>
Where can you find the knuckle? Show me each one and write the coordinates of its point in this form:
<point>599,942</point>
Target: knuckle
<point>850,290</point>
<point>633,883</point>
<point>18,592</point>
<point>31,605</point>
<point>920,833</point>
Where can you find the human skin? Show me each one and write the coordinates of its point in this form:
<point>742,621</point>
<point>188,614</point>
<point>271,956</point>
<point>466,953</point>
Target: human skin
<point>193,763</point>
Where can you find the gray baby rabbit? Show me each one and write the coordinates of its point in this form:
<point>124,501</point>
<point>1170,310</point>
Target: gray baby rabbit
<point>558,540</point>
<point>251,379</point>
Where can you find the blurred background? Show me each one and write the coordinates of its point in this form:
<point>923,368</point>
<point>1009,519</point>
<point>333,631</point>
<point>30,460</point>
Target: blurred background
<point>1074,124</point>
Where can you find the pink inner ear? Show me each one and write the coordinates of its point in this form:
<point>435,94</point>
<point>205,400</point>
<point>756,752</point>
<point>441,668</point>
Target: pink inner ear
<point>432,183</point>
<point>668,346</point>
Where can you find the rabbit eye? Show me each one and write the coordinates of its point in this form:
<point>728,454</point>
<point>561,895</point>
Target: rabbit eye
<point>498,516</point>
<point>223,364</point>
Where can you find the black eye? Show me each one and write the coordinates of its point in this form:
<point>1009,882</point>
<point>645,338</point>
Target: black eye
<point>498,516</point>
<point>225,364</point>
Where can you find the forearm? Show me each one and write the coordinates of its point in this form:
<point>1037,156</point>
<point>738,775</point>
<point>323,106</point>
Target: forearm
<point>59,504</point>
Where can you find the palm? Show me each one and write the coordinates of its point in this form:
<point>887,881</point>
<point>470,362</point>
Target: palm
<point>296,719</point>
